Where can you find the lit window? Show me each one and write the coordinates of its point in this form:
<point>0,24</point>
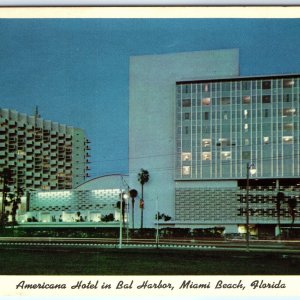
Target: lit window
<point>245,113</point>
<point>205,87</point>
<point>246,127</point>
<point>246,141</point>
<point>206,101</point>
<point>206,155</point>
<point>288,126</point>
<point>287,139</point>
<point>288,83</point>
<point>224,142</point>
<point>206,142</point>
<point>288,112</point>
<point>225,155</point>
<point>186,170</point>
<point>185,156</point>
<point>266,140</point>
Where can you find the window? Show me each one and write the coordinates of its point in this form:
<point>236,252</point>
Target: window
<point>266,140</point>
<point>246,141</point>
<point>287,139</point>
<point>186,88</point>
<point>288,112</point>
<point>225,155</point>
<point>266,99</point>
<point>246,155</point>
<point>186,156</point>
<point>246,99</point>
<point>224,142</point>
<point>206,115</point>
<point>206,155</point>
<point>288,83</point>
<point>245,113</point>
<point>266,113</point>
<point>186,130</point>
<point>246,127</point>
<point>206,101</point>
<point>187,116</point>
<point>186,170</point>
<point>288,126</point>
<point>225,100</point>
<point>186,102</point>
<point>246,85</point>
<point>286,98</point>
<point>206,142</point>
<point>205,87</point>
<point>266,84</point>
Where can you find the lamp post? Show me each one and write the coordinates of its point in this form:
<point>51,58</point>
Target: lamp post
<point>123,197</point>
<point>250,170</point>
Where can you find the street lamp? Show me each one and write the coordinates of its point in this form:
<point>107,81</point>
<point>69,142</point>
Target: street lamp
<point>123,197</point>
<point>251,170</point>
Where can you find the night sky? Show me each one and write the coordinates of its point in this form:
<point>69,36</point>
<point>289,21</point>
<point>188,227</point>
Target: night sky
<point>76,70</point>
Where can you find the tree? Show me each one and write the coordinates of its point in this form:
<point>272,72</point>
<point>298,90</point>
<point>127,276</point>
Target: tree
<point>133,194</point>
<point>14,199</point>
<point>279,200</point>
<point>292,204</point>
<point>143,177</point>
<point>6,175</point>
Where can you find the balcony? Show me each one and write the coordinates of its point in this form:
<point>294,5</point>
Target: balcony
<point>12,132</point>
<point>12,155</point>
<point>2,162</point>
<point>29,174</point>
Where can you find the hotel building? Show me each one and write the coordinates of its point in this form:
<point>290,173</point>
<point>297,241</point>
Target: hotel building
<point>195,125</point>
<point>41,154</point>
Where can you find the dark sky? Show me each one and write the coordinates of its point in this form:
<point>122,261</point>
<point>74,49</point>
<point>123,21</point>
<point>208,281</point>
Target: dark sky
<point>76,70</point>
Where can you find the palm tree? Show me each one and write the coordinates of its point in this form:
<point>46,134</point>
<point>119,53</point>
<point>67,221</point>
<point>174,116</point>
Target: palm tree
<point>292,203</point>
<point>133,193</point>
<point>279,200</point>
<point>143,177</point>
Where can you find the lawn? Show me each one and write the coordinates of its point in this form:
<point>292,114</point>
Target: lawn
<point>64,261</point>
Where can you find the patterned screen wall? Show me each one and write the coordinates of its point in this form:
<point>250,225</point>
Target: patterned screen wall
<point>74,200</point>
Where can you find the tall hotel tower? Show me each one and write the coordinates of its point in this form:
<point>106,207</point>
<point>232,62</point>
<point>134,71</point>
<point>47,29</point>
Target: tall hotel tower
<point>198,126</point>
<point>42,155</point>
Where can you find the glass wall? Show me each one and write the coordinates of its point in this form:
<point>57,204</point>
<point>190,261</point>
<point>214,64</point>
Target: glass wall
<point>222,125</point>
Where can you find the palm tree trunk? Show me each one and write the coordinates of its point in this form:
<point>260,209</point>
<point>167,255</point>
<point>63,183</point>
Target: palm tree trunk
<point>142,212</point>
<point>278,222</point>
<point>132,208</point>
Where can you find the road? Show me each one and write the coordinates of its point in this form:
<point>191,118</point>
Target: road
<point>197,244</point>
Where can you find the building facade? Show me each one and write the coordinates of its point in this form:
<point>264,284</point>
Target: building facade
<point>93,203</point>
<point>195,125</point>
<point>41,154</point>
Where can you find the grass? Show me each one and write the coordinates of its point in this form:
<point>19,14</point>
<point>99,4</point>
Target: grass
<point>49,261</point>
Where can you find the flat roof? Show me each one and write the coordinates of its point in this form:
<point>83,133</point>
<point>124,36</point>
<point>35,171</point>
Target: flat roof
<point>240,78</point>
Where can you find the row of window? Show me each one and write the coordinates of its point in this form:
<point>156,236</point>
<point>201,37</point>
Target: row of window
<point>246,99</point>
<point>207,155</point>
<point>246,114</point>
<point>266,84</point>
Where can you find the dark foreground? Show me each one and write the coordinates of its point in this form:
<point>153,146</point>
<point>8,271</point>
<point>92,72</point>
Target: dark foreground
<point>67,261</point>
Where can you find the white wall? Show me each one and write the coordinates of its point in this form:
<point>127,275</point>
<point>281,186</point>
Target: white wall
<point>152,118</point>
